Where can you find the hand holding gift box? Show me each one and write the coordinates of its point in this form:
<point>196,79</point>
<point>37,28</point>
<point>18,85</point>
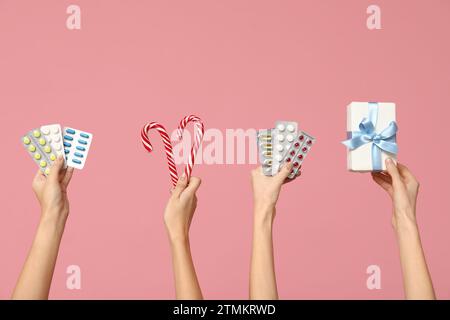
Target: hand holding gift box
<point>371,130</point>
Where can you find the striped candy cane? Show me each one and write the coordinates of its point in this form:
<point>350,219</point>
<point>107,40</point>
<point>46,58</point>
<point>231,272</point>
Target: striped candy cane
<point>199,131</point>
<point>167,146</point>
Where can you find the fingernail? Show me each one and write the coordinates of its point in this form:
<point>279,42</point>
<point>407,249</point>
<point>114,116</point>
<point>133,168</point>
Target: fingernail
<point>183,176</point>
<point>389,161</point>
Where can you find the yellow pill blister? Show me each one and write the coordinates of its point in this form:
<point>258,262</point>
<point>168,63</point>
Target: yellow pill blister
<point>44,145</point>
<point>265,137</point>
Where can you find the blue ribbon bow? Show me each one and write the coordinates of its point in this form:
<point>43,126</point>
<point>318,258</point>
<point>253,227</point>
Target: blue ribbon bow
<point>385,140</point>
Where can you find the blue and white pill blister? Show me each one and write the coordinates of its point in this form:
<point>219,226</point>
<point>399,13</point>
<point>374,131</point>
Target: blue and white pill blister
<point>76,146</point>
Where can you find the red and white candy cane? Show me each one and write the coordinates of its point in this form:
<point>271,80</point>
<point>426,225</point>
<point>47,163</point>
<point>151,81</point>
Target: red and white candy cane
<point>198,137</point>
<point>167,146</point>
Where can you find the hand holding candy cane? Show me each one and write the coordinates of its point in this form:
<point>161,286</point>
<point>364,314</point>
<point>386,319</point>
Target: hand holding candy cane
<point>199,131</point>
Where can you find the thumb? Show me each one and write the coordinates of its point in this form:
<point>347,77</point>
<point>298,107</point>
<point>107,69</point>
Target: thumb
<point>194,184</point>
<point>284,172</point>
<point>56,169</point>
<point>181,185</point>
<point>393,172</point>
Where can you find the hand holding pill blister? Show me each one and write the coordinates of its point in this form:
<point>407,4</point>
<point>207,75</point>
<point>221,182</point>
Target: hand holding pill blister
<point>46,143</point>
<point>283,144</point>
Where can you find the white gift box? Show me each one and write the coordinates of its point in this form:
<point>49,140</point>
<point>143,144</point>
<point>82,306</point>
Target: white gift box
<point>360,159</point>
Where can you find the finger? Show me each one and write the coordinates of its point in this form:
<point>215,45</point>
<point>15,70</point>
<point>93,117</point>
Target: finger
<point>56,169</point>
<point>68,176</point>
<point>181,185</point>
<point>393,172</point>
<point>39,176</point>
<point>383,176</point>
<point>256,171</point>
<point>194,184</point>
<point>405,172</point>
<point>284,172</point>
<point>382,182</point>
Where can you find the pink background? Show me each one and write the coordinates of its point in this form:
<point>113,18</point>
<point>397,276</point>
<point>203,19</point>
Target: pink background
<point>237,64</point>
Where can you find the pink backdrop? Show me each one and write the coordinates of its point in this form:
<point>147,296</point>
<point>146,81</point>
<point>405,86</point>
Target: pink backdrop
<point>237,64</point>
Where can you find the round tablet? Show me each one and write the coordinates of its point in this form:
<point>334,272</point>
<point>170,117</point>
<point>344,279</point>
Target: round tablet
<point>52,157</point>
<point>279,157</point>
<point>45,130</point>
<point>36,133</point>
<point>279,147</point>
<point>280,127</point>
<point>280,137</point>
<point>47,171</point>
<point>57,139</point>
<point>55,130</point>
<point>57,147</point>
<point>290,137</point>
<point>43,163</point>
<point>290,128</point>
<point>32,148</point>
<point>37,156</point>
<point>42,141</point>
<point>26,140</point>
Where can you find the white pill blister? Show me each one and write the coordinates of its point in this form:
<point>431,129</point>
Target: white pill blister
<point>284,135</point>
<point>53,134</point>
<point>76,146</point>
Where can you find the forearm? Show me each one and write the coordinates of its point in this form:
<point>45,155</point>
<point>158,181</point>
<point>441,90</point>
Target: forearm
<point>416,277</point>
<point>187,286</point>
<point>36,276</point>
<point>262,271</point>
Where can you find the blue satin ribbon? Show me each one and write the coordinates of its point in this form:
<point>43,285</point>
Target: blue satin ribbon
<point>383,141</point>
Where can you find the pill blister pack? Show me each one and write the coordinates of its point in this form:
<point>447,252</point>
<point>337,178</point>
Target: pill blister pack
<point>42,146</point>
<point>53,135</point>
<point>284,143</point>
<point>76,146</point>
<point>298,152</point>
<point>265,150</point>
<point>282,137</point>
<point>46,143</point>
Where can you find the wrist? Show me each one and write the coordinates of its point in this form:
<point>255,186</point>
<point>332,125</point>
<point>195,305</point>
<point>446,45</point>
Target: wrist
<point>263,217</point>
<point>405,222</point>
<point>54,219</point>
<point>179,239</point>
